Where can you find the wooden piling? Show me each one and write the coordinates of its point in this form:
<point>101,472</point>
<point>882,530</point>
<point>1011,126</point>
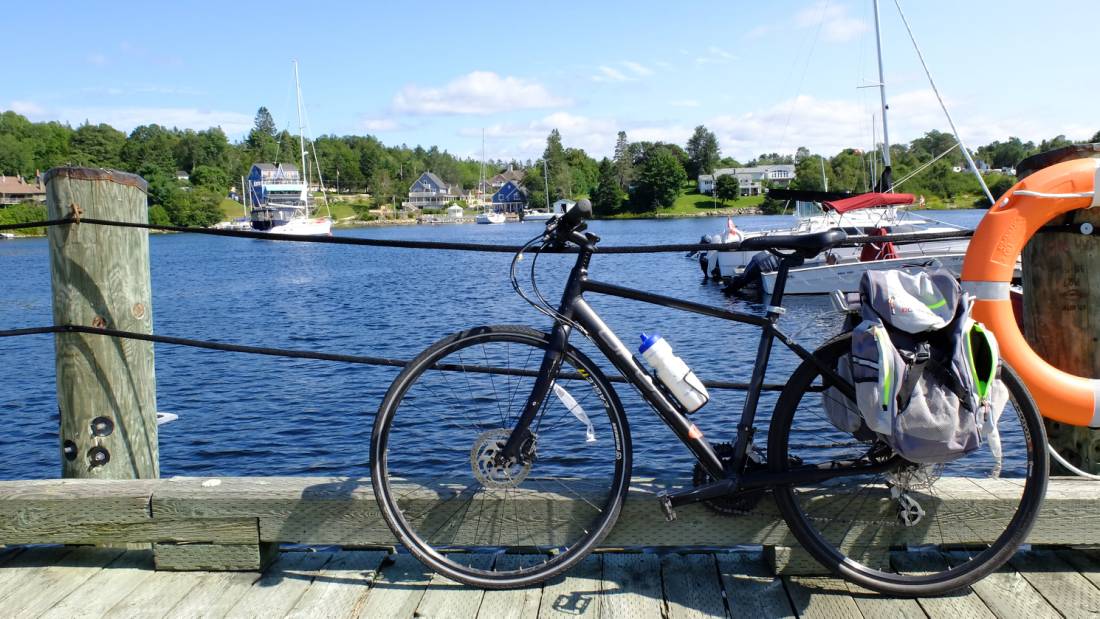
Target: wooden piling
<point>106,392</point>
<point>1061,281</point>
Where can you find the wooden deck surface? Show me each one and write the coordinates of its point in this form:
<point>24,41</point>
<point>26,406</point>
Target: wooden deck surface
<point>58,581</point>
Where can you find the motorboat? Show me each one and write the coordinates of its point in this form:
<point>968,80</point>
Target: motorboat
<point>864,215</point>
<point>538,215</point>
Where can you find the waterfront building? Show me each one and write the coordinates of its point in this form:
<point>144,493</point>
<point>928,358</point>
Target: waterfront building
<point>752,180</point>
<point>510,198</point>
<point>278,183</point>
<point>430,191</point>
<point>13,190</point>
<point>511,174</point>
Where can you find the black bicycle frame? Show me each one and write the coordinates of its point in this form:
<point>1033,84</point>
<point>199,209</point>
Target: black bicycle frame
<point>574,308</point>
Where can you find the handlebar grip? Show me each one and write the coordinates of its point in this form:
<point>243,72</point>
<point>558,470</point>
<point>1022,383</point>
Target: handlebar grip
<point>575,216</point>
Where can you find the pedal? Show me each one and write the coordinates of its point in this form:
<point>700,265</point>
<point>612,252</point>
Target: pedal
<point>666,506</point>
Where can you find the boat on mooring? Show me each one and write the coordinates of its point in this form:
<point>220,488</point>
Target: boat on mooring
<point>279,192</point>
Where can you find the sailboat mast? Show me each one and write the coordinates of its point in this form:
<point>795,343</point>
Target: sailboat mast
<point>302,138</point>
<point>481,179</point>
<point>546,183</point>
<point>888,184</point>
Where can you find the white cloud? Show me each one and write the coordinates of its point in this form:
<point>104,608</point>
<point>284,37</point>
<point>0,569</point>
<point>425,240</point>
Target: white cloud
<point>476,93</point>
<point>27,108</point>
<point>380,124</point>
<point>836,25</point>
<point>638,69</point>
<point>609,74</point>
<point>715,55</point>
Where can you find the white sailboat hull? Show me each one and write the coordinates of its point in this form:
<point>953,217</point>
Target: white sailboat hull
<point>821,278</point>
<point>490,218</point>
<point>304,226</point>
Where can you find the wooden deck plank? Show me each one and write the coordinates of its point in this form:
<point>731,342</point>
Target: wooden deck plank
<point>575,593</point>
<point>692,587</point>
<point>873,604</point>
<point>212,596</point>
<point>512,603</point>
<point>398,589</point>
<point>1086,564</point>
<point>50,584</point>
<point>1008,594</point>
<point>631,586</point>
<point>107,587</point>
<point>751,589</point>
<point>24,565</point>
<point>1067,591</point>
<point>445,597</point>
<point>281,586</point>
<point>341,587</point>
<point>156,596</point>
<point>818,596</point>
<point>964,603</point>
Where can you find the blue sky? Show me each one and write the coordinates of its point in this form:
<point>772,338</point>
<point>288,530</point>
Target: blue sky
<point>765,76</point>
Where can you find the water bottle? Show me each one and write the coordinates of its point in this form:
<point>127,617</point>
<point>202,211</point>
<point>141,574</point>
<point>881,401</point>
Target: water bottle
<point>673,373</point>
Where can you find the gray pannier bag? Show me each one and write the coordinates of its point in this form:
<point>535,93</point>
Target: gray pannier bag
<point>925,372</point>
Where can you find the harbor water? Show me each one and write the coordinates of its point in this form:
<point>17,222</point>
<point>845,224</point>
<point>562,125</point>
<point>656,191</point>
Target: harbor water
<point>256,415</point>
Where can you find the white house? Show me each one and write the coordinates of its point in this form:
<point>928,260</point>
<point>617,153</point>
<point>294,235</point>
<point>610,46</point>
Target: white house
<point>751,179</point>
<point>454,211</point>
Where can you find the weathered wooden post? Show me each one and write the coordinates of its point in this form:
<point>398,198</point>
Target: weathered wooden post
<point>1062,304</point>
<point>106,392</point>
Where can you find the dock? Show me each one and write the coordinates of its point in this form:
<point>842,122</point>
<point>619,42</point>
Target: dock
<point>58,581</point>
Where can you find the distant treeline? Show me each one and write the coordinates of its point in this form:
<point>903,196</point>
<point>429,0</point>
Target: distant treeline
<point>639,176</point>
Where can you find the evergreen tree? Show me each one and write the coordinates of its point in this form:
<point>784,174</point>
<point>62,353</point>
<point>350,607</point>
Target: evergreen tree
<point>702,152</point>
<point>624,162</point>
<point>607,199</point>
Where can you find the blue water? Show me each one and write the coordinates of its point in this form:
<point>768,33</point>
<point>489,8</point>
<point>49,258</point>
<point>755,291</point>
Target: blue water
<point>254,415</point>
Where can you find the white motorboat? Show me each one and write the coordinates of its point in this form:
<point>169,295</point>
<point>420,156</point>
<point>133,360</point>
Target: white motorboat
<point>489,217</point>
<point>537,216</point>
<point>7,235</point>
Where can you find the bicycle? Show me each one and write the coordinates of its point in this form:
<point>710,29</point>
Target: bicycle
<point>471,440</point>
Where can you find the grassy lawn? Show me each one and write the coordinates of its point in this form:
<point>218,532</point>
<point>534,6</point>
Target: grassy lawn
<point>691,203</point>
<point>232,210</point>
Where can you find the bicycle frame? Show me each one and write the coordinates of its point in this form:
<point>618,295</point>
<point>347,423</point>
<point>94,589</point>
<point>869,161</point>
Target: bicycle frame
<point>574,308</point>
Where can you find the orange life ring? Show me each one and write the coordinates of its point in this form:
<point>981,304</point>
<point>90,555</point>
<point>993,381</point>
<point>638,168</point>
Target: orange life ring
<point>989,265</point>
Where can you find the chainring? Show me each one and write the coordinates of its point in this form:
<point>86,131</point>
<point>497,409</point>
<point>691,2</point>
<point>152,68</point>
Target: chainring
<point>739,503</point>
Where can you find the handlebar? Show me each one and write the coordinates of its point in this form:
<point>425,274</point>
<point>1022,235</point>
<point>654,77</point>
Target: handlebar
<point>568,227</point>
<point>575,216</point>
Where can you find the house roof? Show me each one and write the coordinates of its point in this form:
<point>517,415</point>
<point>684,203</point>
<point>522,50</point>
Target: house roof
<point>435,179</point>
<point>760,169</point>
<point>15,185</point>
<point>508,175</point>
<point>269,167</point>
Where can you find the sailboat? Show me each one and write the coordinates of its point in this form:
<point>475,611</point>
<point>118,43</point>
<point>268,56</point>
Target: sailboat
<point>882,211</point>
<point>487,215</point>
<point>280,194</point>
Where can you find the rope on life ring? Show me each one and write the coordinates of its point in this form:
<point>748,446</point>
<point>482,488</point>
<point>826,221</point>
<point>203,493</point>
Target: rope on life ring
<point>988,268</point>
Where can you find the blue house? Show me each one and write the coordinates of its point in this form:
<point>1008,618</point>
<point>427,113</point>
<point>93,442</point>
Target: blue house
<point>510,198</point>
<point>275,184</point>
<point>430,191</point>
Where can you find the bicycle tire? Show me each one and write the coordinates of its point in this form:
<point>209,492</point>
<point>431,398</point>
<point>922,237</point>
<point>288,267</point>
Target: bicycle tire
<point>474,568</point>
<point>947,566</point>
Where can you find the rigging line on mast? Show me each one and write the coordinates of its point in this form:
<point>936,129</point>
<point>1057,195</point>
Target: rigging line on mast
<point>313,148</point>
<point>922,168</point>
<point>802,79</point>
<point>950,121</point>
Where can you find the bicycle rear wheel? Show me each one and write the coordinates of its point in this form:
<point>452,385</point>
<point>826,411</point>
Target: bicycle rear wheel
<point>917,530</point>
<point>445,416</point>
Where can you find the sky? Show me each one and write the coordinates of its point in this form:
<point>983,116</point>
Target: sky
<point>764,76</point>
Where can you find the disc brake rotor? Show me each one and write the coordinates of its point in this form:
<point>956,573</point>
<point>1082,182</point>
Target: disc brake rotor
<point>491,475</point>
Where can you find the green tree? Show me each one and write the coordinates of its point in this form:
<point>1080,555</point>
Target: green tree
<point>1058,141</point>
<point>1095,138</point>
<point>608,197</point>
<point>211,177</point>
<point>624,162</point>
<point>659,180</point>
<point>702,152</point>
<point>149,150</point>
<point>98,146</point>
<point>16,156</point>
<point>726,187</point>
<point>262,143</point>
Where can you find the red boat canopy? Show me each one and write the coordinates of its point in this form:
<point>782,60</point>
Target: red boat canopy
<point>868,200</point>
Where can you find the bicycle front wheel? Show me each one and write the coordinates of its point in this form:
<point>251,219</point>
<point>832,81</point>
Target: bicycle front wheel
<point>913,530</point>
<point>439,488</point>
